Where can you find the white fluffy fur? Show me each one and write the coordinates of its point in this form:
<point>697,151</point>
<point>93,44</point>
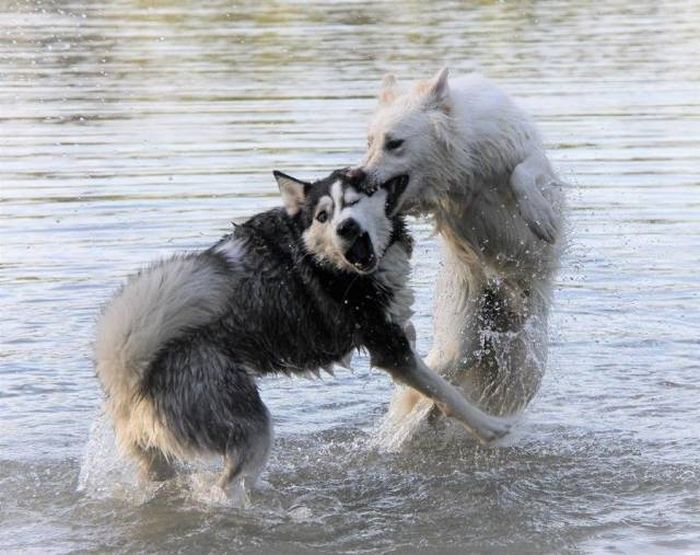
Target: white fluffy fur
<point>154,307</point>
<point>477,165</point>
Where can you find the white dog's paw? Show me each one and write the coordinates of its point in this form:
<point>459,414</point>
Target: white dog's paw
<point>543,226</point>
<point>538,215</point>
<point>534,207</point>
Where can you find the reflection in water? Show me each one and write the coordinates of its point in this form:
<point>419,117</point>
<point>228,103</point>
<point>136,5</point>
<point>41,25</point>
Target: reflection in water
<point>132,129</point>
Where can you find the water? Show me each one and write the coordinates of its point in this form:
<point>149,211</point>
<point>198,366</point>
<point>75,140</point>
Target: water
<point>134,129</point>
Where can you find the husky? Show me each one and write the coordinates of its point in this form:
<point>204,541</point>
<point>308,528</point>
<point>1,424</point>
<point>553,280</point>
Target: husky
<point>475,163</point>
<point>292,290</point>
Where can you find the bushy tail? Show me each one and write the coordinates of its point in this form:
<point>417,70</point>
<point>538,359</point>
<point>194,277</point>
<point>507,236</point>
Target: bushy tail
<point>155,306</point>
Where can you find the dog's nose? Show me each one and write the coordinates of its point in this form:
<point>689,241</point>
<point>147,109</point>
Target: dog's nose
<point>349,229</point>
<point>356,176</point>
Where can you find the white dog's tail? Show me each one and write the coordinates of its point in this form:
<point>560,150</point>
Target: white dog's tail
<point>155,306</point>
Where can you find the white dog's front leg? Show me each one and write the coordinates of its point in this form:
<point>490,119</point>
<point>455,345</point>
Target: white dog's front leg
<point>528,181</point>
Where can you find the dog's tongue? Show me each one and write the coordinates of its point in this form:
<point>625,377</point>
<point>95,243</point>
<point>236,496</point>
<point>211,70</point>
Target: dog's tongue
<point>361,253</point>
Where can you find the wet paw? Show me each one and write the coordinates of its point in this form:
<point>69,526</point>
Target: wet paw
<point>494,429</point>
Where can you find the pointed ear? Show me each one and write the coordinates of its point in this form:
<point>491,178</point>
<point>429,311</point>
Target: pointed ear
<point>389,89</point>
<point>439,91</point>
<point>293,191</point>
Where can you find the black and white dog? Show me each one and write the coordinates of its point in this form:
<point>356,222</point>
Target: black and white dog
<point>291,290</point>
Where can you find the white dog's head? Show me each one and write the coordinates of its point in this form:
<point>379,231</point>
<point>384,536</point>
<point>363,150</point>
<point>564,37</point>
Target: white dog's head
<point>409,136</point>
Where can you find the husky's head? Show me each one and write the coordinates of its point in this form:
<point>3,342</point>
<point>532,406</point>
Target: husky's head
<point>407,137</point>
<point>345,225</point>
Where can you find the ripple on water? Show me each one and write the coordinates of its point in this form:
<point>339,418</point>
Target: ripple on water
<point>131,131</point>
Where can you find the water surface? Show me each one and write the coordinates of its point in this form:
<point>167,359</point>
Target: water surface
<point>131,130</point>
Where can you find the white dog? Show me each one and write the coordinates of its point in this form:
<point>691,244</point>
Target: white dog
<point>476,163</point>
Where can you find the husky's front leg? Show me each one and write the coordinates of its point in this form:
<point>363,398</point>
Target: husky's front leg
<point>392,352</point>
<point>485,427</point>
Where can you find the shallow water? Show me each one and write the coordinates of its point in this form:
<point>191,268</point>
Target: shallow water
<point>134,129</point>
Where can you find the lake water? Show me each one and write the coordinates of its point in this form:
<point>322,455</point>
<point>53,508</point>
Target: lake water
<point>131,130</point>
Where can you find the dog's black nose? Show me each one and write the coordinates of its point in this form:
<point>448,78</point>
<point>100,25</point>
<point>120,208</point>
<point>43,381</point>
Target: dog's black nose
<point>349,229</point>
<point>355,176</point>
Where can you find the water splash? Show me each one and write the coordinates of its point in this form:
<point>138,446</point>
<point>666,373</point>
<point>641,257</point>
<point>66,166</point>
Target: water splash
<point>106,473</point>
<point>201,487</point>
<point>517,359</point>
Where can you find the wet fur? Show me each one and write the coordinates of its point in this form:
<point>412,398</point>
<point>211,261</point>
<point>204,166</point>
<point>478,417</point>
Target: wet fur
<point>478,167</point>
<point>179,347</point>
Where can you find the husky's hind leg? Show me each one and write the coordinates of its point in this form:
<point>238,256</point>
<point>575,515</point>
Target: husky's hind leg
<point>246,459</point>
<point>232,470</point>
<point>152,464</point>
<point>212,405</point>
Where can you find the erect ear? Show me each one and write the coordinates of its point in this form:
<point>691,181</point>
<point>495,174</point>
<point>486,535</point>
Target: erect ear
<point>389,89</point>
<point>293,191</point>
<point>439,90</point>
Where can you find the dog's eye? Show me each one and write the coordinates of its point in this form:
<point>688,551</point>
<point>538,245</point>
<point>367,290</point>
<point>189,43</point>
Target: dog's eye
<point>322,216</point>
<point>393,144</point>
<point>353,203</point>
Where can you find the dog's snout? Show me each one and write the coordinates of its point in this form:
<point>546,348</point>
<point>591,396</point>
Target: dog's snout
<point>356,176</point>
<point>349,229</point>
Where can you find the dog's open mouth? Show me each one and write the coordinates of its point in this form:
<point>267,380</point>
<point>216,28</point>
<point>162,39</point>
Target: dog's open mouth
<point>361,253</point>
<point>397,182</point>
<point>394,188</point>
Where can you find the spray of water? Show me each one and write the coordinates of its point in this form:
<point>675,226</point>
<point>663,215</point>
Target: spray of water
<point>106,473</point>
<point>516,361</point>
